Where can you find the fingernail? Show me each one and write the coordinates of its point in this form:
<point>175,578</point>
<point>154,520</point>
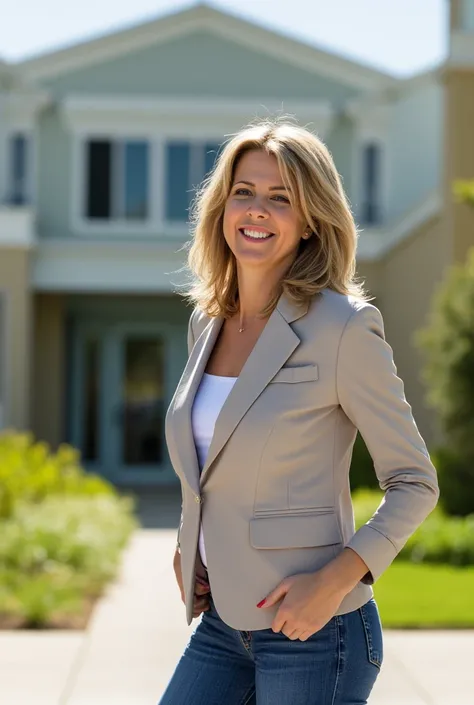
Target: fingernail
<point>260,604</point>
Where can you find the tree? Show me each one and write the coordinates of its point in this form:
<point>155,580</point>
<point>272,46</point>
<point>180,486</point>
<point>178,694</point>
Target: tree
<point>447,343</point>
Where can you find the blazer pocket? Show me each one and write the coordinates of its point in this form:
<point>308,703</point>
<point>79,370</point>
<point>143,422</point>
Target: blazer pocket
<point>295,531</point>
<point>304,373</point>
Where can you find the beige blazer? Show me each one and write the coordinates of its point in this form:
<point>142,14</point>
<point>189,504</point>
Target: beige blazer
<point>274,492</point>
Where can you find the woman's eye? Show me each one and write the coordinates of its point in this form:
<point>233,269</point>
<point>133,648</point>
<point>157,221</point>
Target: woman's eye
<point>246,192</point>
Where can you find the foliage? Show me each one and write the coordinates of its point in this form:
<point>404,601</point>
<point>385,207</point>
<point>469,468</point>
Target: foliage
<point>439,539</point>
<point>454,475</point>
<point>30,471</point>
<point>362,472</point>
<point>464,191</point>
<point>55,554</point>
<point>447,344</point>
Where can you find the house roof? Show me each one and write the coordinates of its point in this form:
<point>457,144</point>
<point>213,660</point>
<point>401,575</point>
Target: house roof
<point>224,24</point>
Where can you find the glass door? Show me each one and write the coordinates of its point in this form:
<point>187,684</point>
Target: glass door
<point>124,380</point>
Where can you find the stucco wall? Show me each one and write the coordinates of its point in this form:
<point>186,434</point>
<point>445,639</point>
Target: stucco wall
<point>410,275</point>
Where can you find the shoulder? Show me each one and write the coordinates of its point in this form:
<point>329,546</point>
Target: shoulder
<point>342,309</point>
<point>198,321</point>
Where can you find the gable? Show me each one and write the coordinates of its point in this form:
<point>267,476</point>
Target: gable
<point>200,64</point>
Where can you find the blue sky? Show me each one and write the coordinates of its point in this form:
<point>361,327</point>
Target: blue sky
<point>401,37</point>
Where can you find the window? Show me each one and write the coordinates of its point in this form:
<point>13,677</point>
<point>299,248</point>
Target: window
<point>371,184</point>
<point>467,15</point>
<point>187,164</point>
<point>18,149</point>
<point>117,180</point>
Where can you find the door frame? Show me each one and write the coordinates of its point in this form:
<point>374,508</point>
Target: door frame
<point>111,355</point>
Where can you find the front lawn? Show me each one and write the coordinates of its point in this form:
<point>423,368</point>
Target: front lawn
<point>426,596</point>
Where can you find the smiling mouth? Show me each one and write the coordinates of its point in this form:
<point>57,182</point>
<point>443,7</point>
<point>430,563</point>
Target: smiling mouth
<point>255,235</point>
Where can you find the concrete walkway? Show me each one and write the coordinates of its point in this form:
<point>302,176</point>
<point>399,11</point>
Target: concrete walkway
<point>138,632</point>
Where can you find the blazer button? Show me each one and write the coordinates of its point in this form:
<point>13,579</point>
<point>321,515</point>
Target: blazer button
<point>197,499</point>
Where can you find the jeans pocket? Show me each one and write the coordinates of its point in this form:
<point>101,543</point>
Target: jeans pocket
<point>373,632</point>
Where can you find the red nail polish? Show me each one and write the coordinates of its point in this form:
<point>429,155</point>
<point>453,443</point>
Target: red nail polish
<point>260,604</point>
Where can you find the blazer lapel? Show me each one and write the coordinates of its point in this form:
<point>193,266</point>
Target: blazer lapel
<point>274,346</point>
<point>184,397</point>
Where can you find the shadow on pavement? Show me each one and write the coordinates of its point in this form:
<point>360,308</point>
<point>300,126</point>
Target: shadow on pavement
<point>157,508</point>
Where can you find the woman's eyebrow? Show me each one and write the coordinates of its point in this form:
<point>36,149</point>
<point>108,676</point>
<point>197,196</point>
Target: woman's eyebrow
<point>272,188</point>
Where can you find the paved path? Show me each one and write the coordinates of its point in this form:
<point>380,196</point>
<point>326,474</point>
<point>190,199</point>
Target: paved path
<point>138,632</point>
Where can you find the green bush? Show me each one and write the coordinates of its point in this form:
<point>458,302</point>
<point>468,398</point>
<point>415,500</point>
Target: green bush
<point>55,554</point>
<point>454,476</point>
<point>447,344</point>
<point>440,539</point>
<point>362,472</point>
<point>30,471</point>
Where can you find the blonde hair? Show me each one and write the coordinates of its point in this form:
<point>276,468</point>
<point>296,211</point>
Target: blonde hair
<point>326,259</point>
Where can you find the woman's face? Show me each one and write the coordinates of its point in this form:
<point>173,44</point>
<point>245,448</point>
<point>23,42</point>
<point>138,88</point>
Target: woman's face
<point>260,226</point>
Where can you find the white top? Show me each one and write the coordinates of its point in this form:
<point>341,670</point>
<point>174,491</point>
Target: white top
<point>209,400</point>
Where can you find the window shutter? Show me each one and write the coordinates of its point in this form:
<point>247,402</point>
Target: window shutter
<point>98,170</point>
<point>18,169</point>
<point>178,196</point>
<point>135,185</point>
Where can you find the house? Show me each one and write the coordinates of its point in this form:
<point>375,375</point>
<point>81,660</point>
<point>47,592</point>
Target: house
<point>102,143</point>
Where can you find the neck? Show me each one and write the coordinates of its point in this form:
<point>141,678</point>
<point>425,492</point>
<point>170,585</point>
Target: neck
<point>255,292</point>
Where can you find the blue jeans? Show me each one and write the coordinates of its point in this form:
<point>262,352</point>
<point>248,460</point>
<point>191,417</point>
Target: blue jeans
<point>337,665</point>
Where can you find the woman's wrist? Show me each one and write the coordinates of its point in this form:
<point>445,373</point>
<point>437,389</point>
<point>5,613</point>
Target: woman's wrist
<point>345,571</point>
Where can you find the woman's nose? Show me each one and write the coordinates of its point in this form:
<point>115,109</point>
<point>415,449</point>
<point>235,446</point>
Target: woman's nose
<point>256,209</point>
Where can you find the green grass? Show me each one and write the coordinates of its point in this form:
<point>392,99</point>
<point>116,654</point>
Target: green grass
<point>426,596</point>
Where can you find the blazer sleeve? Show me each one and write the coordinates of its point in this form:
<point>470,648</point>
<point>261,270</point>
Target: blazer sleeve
<point>372,396</point>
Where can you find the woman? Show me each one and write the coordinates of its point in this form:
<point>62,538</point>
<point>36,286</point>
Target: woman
<point>287,359</point>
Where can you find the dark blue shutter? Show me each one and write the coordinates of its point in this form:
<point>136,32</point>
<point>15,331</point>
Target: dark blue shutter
<point>18,169</point>
<point>371,162</point>
<point>136,180</point>
<point>99,177</point>
<point>178,196</point>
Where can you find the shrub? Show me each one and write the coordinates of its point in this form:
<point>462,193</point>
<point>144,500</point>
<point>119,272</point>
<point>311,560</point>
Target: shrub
<point>448,347</point>
<point>362,472</point>
<point>454,475</point>
<point>55,554</point>
<point>440,539</point>
<point>30,471</point>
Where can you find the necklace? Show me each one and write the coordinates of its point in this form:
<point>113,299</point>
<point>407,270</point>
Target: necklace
<point>241,330</point>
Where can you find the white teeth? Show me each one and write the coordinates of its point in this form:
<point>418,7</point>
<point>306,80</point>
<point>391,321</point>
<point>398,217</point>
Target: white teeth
<point>256,235</point>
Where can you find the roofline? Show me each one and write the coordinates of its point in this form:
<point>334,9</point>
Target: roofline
<point>224,23</point>
<point>376,243</point>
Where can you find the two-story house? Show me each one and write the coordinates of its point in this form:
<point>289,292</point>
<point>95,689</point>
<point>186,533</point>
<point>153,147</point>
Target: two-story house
<point>102,144</point>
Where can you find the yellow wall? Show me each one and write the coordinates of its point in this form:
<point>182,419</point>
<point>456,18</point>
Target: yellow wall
<point>459,155</point>
<point>404,283</point>
<point>14,286</point>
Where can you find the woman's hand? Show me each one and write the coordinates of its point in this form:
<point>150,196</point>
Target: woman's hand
<point>201,586</point>
<point>310,600</point>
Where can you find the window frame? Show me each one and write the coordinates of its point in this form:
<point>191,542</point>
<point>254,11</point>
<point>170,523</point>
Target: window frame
<point>81,223</point>
<point>156,225</point>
